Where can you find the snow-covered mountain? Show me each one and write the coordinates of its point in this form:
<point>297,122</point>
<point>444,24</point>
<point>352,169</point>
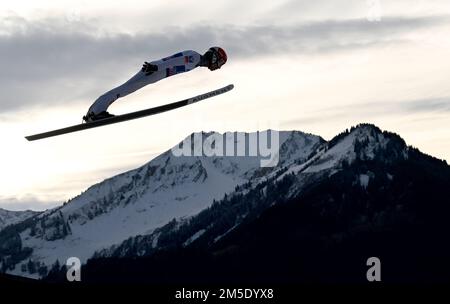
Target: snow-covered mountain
<point>184,201</point>
<point>12,217</point>
<point>364,142</point>
<point>138,202</point>
<point>363,194</point>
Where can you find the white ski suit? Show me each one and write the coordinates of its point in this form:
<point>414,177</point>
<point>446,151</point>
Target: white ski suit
<point>178,63</point>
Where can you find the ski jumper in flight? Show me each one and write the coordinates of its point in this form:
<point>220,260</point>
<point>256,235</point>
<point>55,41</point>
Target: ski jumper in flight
<point>154,71</point>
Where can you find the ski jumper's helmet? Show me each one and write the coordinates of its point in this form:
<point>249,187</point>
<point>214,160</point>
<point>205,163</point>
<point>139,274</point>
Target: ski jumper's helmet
<point>218,57</point>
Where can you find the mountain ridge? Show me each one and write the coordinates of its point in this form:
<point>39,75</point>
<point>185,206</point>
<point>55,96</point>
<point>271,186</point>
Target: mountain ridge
<point>321,161</point>
<point>324,232</point>
<point>136,202</point>
<point>8,217</point>
<point>112,219</point>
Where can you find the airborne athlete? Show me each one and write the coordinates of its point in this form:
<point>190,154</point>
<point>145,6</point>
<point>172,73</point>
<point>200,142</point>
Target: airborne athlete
<point>154,71</point>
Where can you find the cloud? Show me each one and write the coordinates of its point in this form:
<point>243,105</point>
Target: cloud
<point>55,61</point>
<point>371,110</point>
<point>345,9</point>
<point>416,106</point>
<point>441,105</point>
<point>27,202</point>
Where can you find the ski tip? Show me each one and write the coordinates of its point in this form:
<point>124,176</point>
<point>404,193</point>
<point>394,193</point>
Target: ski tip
<point>31,138</point>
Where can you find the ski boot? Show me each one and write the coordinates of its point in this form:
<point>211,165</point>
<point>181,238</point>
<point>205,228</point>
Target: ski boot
<point>91,117</point>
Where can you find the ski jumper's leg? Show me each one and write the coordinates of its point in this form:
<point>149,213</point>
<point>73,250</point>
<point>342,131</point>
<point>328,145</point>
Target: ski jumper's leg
<point>178,63</point>
<point>135,83</point>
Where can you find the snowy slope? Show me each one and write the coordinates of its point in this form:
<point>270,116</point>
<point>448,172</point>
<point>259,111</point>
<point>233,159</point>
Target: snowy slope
<point>345,149</point>
<point>365,191</point>
<point>13,217</point>
<point>361,143</point>
<point>364,142</point>
<point>139,201</point>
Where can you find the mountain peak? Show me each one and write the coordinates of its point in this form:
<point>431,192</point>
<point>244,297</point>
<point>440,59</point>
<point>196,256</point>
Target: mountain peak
<point>361,142</point>
<point>367,127</point>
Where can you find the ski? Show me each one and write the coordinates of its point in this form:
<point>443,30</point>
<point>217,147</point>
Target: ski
<point>130,116</point>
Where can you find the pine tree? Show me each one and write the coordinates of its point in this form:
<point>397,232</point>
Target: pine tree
<point>31,266</point>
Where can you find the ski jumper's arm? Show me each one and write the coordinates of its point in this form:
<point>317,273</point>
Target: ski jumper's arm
<point>169,66</point>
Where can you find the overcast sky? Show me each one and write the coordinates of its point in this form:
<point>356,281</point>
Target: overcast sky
<point>315,66</point>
